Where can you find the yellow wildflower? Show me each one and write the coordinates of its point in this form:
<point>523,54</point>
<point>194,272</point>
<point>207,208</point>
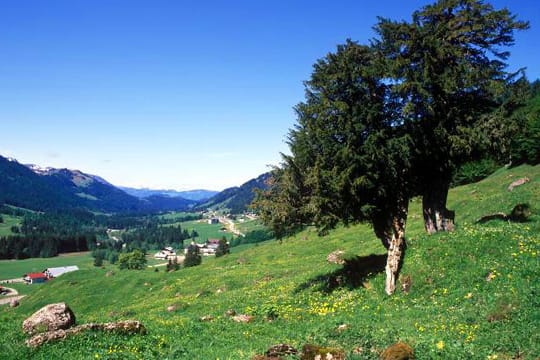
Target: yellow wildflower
<point>440,345</point>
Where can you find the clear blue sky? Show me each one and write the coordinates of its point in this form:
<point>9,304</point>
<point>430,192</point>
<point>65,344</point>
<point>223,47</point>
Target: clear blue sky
<point>176,94</point>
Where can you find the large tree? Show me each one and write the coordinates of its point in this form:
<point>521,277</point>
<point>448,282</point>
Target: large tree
<point>385,122</point>
<point>448,67</point>
<point>349,156</point>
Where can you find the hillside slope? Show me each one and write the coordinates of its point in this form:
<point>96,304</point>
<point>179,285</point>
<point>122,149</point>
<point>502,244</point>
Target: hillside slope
<point>236,199</point>
<point>474,293</point>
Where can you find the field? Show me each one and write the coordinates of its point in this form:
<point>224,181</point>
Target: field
<point>10,269</point>
<point>205,230</point>
<point>9,221</point>
<point>473,293</point>
<point>249,225</point>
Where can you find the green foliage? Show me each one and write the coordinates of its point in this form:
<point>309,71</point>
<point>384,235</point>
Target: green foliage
<point>98,259</point>
<point>154,235</point>
<point>525,146</point>
<point>350,158</point>
<point>223,248</point>
<point>135,260</point>
<point>172,265</point>
<point>448,69</point>
<point>253,237</point>
<point>193,256</point>
<point>474,171</point>
<point>112,257</point>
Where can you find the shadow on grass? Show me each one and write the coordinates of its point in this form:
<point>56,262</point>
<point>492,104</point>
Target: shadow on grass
<point>520,214</point>
<point>352,275</point>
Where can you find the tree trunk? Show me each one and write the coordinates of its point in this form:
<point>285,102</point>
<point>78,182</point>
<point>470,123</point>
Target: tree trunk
<point>436,216</point>
<point>396,250</point>
<point>390,229</point>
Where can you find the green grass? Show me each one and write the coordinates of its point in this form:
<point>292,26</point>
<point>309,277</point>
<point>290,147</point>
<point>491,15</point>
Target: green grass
<point>451,312</point>
<point>249,225</point>
<point>205,230</point>
<point>9,221</point>
<point>10,269</point>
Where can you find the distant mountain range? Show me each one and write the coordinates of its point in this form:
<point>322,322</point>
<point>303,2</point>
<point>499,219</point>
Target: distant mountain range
<point>45,189</point>
<point>196,195</point>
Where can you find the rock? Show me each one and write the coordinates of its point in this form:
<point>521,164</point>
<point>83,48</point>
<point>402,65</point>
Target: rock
<point>315,352</point>
<point>230,312</point>
<point>206,318</point>
<point>243,318</point>
<point>122,327</point>
<point>398,351</point>
<point>336,257</point>
<point>109,273</point>
<point>518,182</point>
<point>171,308</point>
<point>342,327</point>
<point>48,318</point>
<point>278,350</point>
<point>14,303</point>
<point>406,283</point>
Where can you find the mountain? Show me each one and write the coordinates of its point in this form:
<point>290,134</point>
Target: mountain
<point>195,195</point>
<point>236,199</point>
<point>43,189</point>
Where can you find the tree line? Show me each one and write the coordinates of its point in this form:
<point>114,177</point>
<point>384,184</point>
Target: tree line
<point>48,234</point>
<point>397,118</point>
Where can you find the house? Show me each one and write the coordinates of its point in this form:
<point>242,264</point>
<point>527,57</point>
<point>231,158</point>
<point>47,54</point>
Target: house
<point>57,271</point>
<point>209,248</point>
<point>166,253</point>
<point>213,220</point>
<point>35,278</point>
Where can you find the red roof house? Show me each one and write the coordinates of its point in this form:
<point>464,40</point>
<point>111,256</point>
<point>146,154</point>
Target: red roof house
<point>33,278</point>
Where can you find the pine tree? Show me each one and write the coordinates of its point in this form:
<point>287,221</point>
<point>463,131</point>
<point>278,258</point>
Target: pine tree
<point>349,157</point>
<point>448,67</point>
<point>223,247</point>
<point>193,257</point>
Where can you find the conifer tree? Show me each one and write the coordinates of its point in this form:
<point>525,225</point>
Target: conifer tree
<point>448,67</point>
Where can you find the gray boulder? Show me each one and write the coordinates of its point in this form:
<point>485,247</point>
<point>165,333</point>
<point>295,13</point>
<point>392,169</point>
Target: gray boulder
<point>48,318</point>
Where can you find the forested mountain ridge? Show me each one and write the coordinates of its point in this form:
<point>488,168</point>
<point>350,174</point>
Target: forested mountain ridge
<point>237,199</point>
<point>47,189</point>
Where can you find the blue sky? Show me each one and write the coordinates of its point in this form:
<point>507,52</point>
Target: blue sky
<point>176,94</point>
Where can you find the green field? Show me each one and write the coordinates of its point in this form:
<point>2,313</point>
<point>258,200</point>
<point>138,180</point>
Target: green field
<point>473,295</point>
<point>205,230</point>
<point>9,221</point>
<point>10,269</point>
<point>249,225</point>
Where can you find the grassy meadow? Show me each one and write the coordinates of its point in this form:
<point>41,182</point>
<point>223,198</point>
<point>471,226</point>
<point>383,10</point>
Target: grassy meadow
<point>205,230</point>
<point>10,269</point>
<point>474,293</point>
<point>9,221</point>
